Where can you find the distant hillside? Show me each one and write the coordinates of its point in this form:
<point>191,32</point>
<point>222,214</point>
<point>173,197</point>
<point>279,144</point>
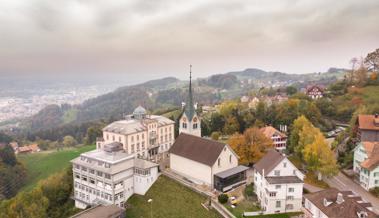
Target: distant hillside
<point>167,93</point>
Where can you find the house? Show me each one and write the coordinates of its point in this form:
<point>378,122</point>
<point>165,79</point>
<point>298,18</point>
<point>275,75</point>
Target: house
<point>110,175</point>
<point>315,91</point>
<point>189,121</point>
<point>32,148</point>
<point>368,127</point>
<point>279,139</point>
<point>278,184</point>
<point>366,164</point>
<point>244,99</point>
<point>147,136</point>
<point>208,162</point>
<point>101,211</point>
<point>253,103</point>
<point>15,146</point>
<point>332,203</point>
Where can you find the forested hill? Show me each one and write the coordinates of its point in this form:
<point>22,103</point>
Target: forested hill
<point>164,93</point>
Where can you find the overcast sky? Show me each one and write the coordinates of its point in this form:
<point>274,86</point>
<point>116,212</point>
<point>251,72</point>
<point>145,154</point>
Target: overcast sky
<point>151,39</point>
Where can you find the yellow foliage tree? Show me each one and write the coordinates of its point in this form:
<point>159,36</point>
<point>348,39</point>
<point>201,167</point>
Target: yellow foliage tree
<point>250,146</point>
<point>319,157</point>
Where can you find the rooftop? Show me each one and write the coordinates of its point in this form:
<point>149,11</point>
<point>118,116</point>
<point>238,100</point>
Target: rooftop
<point>349,207</point>
<point>198,149</point>
<point>283,179</point>
<point>270,131</point>
<point>232,171</point>
<point>101,211</point>
<point>269,162</point>
<point>372,151</point>
<point>368,122</point>
<point>129,126</point>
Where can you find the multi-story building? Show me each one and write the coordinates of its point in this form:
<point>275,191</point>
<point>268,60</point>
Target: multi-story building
<point>147,136</point>
<point>278,138</point>
<point>190,122</point>
<point>278,184</point>
<point>110,175</point>
<point>332,203</point>
<point>366,164</point>
<point>368,127</point>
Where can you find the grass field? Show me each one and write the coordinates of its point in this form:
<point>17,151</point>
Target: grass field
<point>170,200</point>
<point>243,206</point>
<point>41,165</point>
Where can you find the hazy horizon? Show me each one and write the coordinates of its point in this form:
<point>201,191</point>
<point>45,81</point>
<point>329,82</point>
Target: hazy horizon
<point>136,41</point>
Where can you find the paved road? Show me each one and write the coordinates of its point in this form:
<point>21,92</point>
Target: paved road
<point>344,183</point>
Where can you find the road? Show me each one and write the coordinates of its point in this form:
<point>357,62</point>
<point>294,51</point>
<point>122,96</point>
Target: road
<point>344,183</point>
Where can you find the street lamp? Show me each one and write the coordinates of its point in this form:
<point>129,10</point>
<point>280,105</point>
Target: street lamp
<point>151,207</point>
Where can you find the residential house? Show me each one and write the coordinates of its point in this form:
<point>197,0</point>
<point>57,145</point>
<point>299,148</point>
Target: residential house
<point>278,184</point>
<point>101,211</point>
<point>245,99</point>
<point>332,203</point>
<point>315,91</point>
<point>279,139</point>
<point>368,127</point>
<point>147,136</point>
<point>32,148</point>
<point>110,175</point>
<point>15,146</point>
<point>253,103</point>
<point>208,162</point>
<point>366,164</point>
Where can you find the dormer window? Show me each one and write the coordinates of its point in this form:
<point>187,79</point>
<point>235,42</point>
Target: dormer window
<point>277,172</point>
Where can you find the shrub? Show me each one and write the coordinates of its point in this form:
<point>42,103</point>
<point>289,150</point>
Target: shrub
<point>223,198</point>
<point>375,191</point>
<point>215,135</point>
<point>249,190</point>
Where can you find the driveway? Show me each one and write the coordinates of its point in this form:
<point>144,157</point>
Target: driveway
<point>343,183</point>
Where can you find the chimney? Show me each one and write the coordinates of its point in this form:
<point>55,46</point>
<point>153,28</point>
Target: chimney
<point>339,198</point>
<point>376,119</point>
<point>326,202</point>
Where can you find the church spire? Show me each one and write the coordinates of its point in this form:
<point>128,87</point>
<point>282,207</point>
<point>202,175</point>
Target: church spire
<point>190,108</point>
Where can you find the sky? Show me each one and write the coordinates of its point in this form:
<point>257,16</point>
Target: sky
<point>141,40</point>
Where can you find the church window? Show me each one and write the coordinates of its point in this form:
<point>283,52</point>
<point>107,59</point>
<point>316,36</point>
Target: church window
<point>230,158</point>
<point>184,125</point>
<point>195,126</point>
<point>219,162</point>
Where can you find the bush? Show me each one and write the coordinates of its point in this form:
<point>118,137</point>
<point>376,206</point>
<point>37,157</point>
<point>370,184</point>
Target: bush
<point>249,190</point>
<point>215,135</point>
<point>375,191</point>
<point>223,198</point>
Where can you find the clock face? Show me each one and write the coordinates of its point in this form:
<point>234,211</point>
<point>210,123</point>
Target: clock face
<point>195,119</point>
<point>184,119</point>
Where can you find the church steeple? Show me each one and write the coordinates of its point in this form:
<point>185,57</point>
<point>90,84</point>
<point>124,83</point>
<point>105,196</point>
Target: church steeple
<point>189,122</point>
<point>189,107</point>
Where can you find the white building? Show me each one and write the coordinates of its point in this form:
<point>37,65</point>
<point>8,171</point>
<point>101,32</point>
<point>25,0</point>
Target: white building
<point>147,136</point>
<point>366,164</point>
<point>110,175</point>
<point>208,162</point>
<point>278,184</point>
<point>278,138</point>
<point>190,122</point>
<point>332,203</point>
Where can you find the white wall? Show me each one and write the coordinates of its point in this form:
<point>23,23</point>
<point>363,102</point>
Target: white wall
<point>316,213</point>
<point>287,170</point>
<point>199,173</point>
<point>142,183</point>
<point>225,164</point>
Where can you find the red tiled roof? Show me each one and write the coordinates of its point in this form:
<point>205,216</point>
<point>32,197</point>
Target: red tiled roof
<point>269,162</point>
<point>372,150</point>
<point>269,131</point>
<point>367,122</point>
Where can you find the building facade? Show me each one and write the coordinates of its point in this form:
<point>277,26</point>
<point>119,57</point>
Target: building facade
<point>368,127</point>
<point>278,138</point>
<point>315,92</point>
<point>332,203</point>
<point>278,184</point>
<point>146,136</point>
<point>366,164</point>
<point>190,122</point>
<point>208,162</point>
<point>109,175</point>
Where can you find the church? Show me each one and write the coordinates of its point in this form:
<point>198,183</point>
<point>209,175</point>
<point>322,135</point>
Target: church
<point>202,160</point>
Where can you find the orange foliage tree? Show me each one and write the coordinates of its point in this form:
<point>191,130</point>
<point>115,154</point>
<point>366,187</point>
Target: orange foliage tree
<point>250,146</point>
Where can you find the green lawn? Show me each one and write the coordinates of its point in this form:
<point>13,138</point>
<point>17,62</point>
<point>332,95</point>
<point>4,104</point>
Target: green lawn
<point>241,207</point>
<point>279,215</point>
<point>170,200</point>
<point>41,165</point>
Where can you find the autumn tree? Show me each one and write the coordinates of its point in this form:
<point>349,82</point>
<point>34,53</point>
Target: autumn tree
<point>69,141</point>
<point>372,61</point>
<point>296,128</point>
<point>231,125</point>
<point>250,146</point>
<point>319,157</point>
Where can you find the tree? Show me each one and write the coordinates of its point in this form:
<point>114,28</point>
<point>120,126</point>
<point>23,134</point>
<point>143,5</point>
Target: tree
<point>372,60</point>
<point>231,125</point>
<point>319,157</point>
<point>290,90</point>
<point>296,127</point>
<point>250,146</point>
<point>361,76</point>
<point>92,133</point>
<point>69,141</point>
<point>307,136</point>
<point>215,135</point>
